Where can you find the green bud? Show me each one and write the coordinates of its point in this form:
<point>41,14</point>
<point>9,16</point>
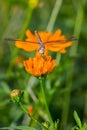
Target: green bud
<point>16,95</point>
<point>46,124</point>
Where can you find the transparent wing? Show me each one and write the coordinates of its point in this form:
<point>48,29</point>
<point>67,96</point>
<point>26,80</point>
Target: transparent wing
<point>24,44</point>
<point>62,41</point>
<point>18,40</point>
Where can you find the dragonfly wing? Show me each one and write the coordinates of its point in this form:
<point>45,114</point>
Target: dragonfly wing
<point>58,42</point>
<point>58,46</point>
<point>27,46</point>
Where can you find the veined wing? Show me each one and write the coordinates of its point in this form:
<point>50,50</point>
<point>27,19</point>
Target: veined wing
<point>18,40</point>
<point>59,45</point>
<point>25,44</point>
<point>61,41</point>
<point>55,45</point>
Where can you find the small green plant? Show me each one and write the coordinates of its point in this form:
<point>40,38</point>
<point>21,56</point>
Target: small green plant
<point>79,125</point>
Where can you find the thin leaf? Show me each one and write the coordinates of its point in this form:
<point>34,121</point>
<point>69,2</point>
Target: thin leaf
<point>77,119</point>
<point>19,128</point>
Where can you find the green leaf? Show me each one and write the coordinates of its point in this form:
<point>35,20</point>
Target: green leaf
<point>85,126</point>
<point>18,128</point>
<point>77,119</point>
<point>24,128</point>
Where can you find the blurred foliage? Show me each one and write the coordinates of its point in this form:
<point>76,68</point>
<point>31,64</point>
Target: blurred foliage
<point>14,21</point>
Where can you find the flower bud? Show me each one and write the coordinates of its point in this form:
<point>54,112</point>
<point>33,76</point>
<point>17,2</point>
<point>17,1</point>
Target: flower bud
<point>30,110</point>
<point>33,3</point>
<point>16,95</point>
<point>46,124</point>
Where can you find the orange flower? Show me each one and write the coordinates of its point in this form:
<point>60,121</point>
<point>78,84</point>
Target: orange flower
<point>53,42</point>
<point>39,65</point>
<point>30,110</point>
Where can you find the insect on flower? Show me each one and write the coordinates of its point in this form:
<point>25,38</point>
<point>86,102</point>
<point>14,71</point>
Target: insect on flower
<point>42,41</point>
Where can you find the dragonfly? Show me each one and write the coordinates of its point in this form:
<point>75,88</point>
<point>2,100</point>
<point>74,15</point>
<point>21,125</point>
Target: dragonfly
<point>41,43</point>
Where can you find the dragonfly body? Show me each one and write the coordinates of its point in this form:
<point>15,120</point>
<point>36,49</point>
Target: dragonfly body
<point>41,47</point>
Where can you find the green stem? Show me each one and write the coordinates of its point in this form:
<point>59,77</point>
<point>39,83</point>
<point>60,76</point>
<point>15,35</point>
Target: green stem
<point>70,66</point>
<point>54,15</point>
<point>42,81</point>
<point>25,111</point>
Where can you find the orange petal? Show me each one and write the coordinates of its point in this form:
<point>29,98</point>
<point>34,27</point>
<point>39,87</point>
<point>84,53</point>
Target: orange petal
<point>26,46</point>
<point>30,36</point>
<point>55,36</point>
<point>58,46</point>
<point>45,36</point>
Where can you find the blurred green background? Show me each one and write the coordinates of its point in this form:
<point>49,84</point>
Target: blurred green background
<point>66,86</point>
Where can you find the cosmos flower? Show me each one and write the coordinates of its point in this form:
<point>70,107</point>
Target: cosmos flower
<point>39,65</point>
<point>55,42</point>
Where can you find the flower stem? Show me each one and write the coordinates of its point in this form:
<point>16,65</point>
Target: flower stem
<point>25,110</point>
<point>42,81</point>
